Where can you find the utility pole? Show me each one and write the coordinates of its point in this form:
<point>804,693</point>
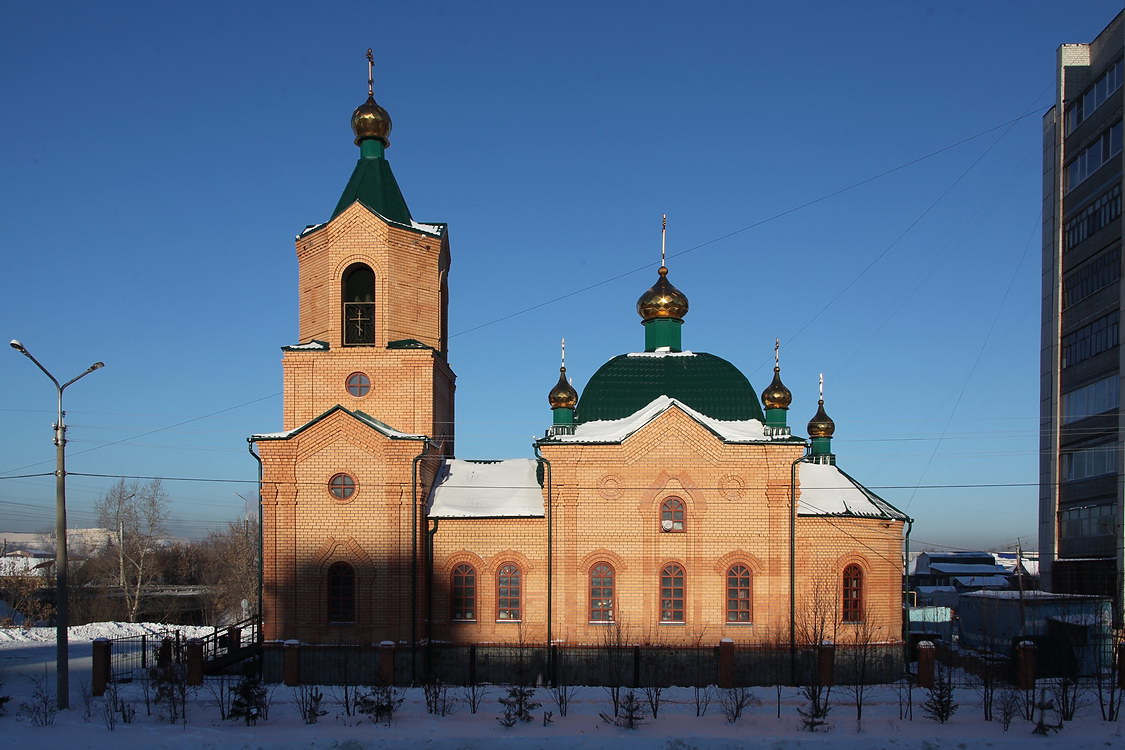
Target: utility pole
<point>1019,578</point>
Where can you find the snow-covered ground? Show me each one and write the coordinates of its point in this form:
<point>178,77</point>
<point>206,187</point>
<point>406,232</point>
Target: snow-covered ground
<point>26,653</point>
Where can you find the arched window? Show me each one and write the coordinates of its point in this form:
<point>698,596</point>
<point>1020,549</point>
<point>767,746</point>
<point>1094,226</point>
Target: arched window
<point>464,591</point>
<point>672,593</point>
<point>601,593</point>
<point>341,593</point>
<point>853,594</point>
<point>739,588</point>
<point>508,590</point>
<point>359,305</point>
<point>672,514</point>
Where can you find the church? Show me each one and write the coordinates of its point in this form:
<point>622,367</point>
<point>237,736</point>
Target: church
<point>665,502</point>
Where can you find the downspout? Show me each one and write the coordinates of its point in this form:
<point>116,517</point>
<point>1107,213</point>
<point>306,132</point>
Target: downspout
<point>906,592</point>
<point>550,546</point>
<point>430,577</point>
<point>426,445</point>
<point>793,564</point>
<point>261,543</point>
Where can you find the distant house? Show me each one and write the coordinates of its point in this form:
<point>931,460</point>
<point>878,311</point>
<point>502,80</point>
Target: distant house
<point>937,578</point>
<point>24,562</point>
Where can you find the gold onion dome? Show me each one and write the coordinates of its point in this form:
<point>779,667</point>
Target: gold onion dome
<point>563,395</point>
<point>663,300</point>
<point>371,121</point>
<point>821,425</point>
<point>776,395</point>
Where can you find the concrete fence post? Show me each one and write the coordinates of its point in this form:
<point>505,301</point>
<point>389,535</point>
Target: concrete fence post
<point>1025,665</point>
<point>387,663</point>
<point>1120,655</point>
<point>825,664</point>
<point>291,663</point>
<point>194,661</point>
<point>927,652</point>
<point>164,657</point>
<point>726,663</point>
<point>101,666</point>
<point>234,640</point>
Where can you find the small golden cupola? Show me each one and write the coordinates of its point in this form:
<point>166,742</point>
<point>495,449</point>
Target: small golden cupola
<point>563,398</point>
<point>821,428</point>
<point>776,397</point>
<point>662,308</point>
<point>369,120</point>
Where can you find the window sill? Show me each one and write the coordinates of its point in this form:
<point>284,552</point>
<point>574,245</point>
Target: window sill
<point>341,623</point>
<point>462,622</point>
<point>513,622</point>
<point>738,624</point>
<point>601,622</point>
<point>672,622</point>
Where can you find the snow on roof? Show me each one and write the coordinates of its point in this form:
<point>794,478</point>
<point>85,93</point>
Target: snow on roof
<point>367,419</point>
<point>616,430</point>
<point>1032,594</point>
<point>313,345</point>
<point>950,569</point>
<point>980,581</point>
<point>487,489</point>
<point>428,228</point>
<point>827,491</point>
<point>308,229</point>
<point>663,351</point>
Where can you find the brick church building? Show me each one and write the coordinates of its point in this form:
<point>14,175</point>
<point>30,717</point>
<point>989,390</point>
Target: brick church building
<point>660,501</point>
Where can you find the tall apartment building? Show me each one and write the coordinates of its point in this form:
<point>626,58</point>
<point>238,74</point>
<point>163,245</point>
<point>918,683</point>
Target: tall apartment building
<point>1081,523</point>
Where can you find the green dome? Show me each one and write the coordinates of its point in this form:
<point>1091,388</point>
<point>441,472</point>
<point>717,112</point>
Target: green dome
<point>706,383</point>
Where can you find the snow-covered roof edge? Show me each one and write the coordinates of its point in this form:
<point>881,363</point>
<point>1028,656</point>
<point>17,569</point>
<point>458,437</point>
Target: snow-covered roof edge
<point>610,431</point>
<point>507,488</point>
<point>882,507</point>
<point>366,419</point>
<point>312,345</point>
<point>436,229</point>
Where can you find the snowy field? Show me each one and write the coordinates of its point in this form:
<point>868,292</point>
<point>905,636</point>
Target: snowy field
<point>25,653</point>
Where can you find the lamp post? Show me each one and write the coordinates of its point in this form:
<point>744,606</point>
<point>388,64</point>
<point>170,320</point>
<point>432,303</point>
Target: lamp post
<point>62,669</point>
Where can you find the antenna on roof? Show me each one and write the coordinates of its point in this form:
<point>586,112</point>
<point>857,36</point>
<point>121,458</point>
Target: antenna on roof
<point>370,73</point>
<point>663,238</point>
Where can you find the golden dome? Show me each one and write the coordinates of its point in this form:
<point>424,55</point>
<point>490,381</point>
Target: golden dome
<point>776,395</point>
<point>563,395</point>
<point>821,425</point>
<point>371,121</point>
<point>663,300</point>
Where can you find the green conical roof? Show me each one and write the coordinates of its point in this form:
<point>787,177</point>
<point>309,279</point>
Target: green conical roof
<point>706,383</point>
<point>373,184</point>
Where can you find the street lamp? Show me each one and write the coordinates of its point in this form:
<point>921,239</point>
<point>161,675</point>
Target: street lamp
<point>62,669</point>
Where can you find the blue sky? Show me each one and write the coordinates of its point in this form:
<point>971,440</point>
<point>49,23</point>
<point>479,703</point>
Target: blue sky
<point>159,159</point>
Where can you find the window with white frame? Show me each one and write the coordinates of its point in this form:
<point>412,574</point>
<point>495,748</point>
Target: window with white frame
<point>1090,461</point>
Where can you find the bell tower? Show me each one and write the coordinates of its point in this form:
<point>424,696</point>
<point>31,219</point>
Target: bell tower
<point>373,300</point>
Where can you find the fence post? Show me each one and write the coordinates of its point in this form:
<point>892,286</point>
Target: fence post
<point>102,647</point>
<point>194,661</point>
<point>825,661</point>
<point>291,663</point>
<point>1120,653</point>
<point>1025,665</point>
<point>144,652</point>
<point>726,663</point>
<point>234,640</point>
<point>636,666</point>
<point>926,653</point>
<point>387,662</point>
<point>473,664</point>
<point>164,658</point>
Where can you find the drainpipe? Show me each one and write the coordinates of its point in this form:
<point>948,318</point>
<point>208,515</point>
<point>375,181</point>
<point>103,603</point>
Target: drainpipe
<point>550,545</point>
<point>261,545</point>
<point>793,564</point>
<point>426,445</point>
<point>906,593</point>
<point>430,577</point>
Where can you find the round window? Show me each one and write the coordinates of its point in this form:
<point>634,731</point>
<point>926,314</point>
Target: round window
<point>358,384</point>
<point>341,486</point>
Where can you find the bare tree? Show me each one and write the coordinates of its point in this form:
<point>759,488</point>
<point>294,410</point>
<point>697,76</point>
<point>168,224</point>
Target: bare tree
<point>232,570</point>
<point>135,512</point>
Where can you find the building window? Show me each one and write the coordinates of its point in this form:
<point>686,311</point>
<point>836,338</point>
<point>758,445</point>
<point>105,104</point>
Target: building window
<point>739,594</point>
<point>341,486</point>
<point>341,593</point>
<point>1091,339</point>
<point>672,514</point>
<point>1091,277</point>
<point>464,590</point>
<point>358,384</point>
<point>601,593</point>
<point>508,593</point>
<point>1093,398</point>
<point>1105,147</point>
<point>1096,95</point>
<point>1088,521</point>
<point>853,594</point>
<point>672,593</point>
<point>359,305</point>
<point>1090,461</point>
<point>1092,217</point>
